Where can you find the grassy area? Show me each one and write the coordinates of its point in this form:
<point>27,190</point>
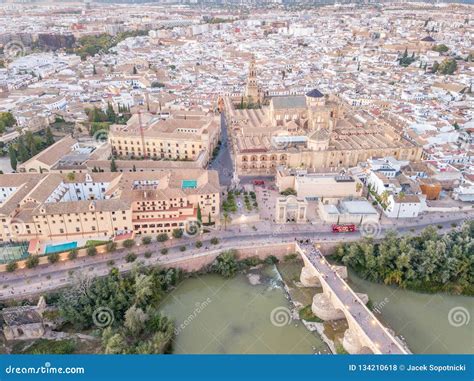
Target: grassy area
<point>95,242</point>
<point>340,350</point>
<point>306,314</point>
<point>43,346</point>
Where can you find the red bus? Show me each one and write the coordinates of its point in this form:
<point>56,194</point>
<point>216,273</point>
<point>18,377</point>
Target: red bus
<point>343,228</point>
<point>258,182</point>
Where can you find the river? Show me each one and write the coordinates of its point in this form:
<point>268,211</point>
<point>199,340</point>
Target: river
<point>217,315</point>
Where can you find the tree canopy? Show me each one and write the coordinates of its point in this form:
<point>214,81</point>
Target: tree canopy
<point>428,262</point>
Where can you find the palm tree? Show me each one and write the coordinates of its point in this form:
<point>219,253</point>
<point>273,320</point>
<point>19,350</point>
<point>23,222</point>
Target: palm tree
<point>384,197</point>
<point>226,220</point>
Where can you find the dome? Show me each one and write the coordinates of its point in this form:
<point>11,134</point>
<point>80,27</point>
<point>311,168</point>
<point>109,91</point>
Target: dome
<point>315,93</point>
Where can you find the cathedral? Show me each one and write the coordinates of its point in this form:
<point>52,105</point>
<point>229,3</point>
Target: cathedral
<point>313,130</point>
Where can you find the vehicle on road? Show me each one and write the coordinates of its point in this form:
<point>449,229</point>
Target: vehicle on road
<point>336,228</point>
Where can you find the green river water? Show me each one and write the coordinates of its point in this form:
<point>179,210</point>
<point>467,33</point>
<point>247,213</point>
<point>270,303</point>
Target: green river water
<point>217,315</point>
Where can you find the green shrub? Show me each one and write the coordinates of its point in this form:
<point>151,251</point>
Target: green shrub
<point>307,314</point>
<point>148,254</point>
<point>146,240</point>
<point>111,246</point>
<point>72,254</point>
<point>130,257</point>
<point>225,264</point>
<point>53,257</point>
<point>271,260</point>
<point>128,243</point>
<point>252,261</point>
<point>32,261</point>
<point>91,251</point>
<point>12,266</point>
<point>177,233</point>
<point>162,237</point>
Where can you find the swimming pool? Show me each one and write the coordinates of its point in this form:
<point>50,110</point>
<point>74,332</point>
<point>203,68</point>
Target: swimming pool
<point>59,248</point>
<point>189,184</point>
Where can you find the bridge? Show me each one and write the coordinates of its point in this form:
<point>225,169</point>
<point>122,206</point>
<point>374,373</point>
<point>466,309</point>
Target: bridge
<point>337,301</point>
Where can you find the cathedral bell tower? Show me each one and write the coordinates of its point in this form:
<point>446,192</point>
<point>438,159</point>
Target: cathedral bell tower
<point>252,90</point>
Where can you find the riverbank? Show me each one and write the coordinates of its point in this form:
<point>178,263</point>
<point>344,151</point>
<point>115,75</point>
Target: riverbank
<point>428,262</point>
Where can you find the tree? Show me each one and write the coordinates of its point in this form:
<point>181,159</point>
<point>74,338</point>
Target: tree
<point>53,257</point>
<point>146,240</point>
<point>91,251</point>
<point>113,165</point>
<point>441,48</point>
<point>12,266</point>
<point>143,288</point>
<point>110,112</point>
<point>135,319</point>
<point>23,154</point>
<point>49,137</point>
<point>199,215</point>
<point>177,233</point>
<point>288,192</point>
<point>128,243</point>
<point>162,237</point>
<point>164,251</point>
<point>12,155</point>
<point>115,345</point>
<point>32,261</point>
<point>214,240</point>
<point>448,66</point>
<point>198,244</point>
<point>225,264</point>
<point>226,219</point>
<point>130,257</point>
<point>111,246</point>
<point>72,254</point>
<point>7,119</point>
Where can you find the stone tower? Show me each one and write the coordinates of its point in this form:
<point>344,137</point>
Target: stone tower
<point>252,90</point>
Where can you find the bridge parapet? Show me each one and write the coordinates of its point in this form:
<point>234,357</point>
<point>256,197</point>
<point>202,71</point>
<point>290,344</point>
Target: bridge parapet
<point>365,334</point>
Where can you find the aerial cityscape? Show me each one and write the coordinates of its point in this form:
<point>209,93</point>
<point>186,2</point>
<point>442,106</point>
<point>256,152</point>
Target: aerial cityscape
<point>237,177</point>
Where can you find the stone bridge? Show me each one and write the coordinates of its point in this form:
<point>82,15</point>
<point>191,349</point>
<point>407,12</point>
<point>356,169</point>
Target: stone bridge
<point>337,301</point>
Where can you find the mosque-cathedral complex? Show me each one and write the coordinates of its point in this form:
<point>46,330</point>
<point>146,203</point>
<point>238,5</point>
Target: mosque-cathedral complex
<point>314,130</point>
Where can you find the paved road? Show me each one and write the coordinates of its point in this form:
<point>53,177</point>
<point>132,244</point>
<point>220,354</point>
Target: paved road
<point>47,277</point>
<point>223,161</point>
<point>373,329</point>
